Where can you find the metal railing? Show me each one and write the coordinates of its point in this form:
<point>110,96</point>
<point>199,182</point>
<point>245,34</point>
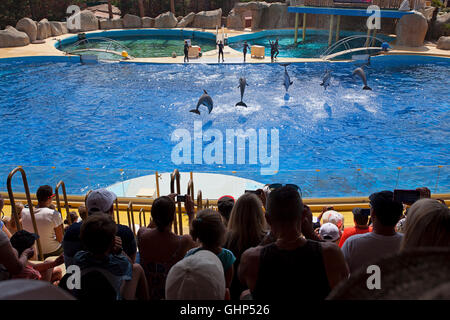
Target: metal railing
<point>142,218</point>
<point>130,215</point>
<point>90,44</point>
<point>175,177</point>
<point>30,206</point>
<point>66,203</point>
<point>345,42</point>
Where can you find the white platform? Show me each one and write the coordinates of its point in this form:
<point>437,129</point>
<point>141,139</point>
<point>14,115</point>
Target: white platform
<point>213,185</point>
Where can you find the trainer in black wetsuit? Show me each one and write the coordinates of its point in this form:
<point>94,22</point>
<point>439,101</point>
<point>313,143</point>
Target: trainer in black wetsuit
<point>186,51</point>
<point>220,45</point>
<point>276,51</point>
<point>246,46</point>
<point>272,50</point>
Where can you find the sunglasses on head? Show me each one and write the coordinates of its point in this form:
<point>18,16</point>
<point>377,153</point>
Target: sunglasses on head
<point>274,186</point>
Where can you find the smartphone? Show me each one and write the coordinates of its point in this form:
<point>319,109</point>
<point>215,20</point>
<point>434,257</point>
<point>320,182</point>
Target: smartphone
<point>257,192</point>
<point>181,198</point>
<point>406,196</point>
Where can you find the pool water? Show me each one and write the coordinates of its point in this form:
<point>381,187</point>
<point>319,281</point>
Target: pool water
<point>316,43</point>
<point>146,47</point>
<point>122,115</point>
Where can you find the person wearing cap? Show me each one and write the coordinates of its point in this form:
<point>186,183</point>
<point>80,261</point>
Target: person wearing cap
<point>100,201</point>
<point>330,232</point>
<point>46,270</point>
<point>334,217</point>
<point>197,277</point>
<point>293,267</point>
<point>224,206</point>
<point>49,222</point>
<point>362,249</point>
<point>361,219</point>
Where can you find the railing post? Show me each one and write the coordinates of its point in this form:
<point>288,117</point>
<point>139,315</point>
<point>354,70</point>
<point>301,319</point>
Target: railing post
<point>131,221</point>
<point>117,211</point>
<point>30,205</point>
<point>66,203</point>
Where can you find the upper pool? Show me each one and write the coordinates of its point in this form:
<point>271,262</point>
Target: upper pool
<point>60,118</point>
<point>141,43</point>
<point>315,44</point>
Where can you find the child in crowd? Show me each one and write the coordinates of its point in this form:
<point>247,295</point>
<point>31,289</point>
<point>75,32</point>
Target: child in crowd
<point>210,231</point>
<point>22,240</point>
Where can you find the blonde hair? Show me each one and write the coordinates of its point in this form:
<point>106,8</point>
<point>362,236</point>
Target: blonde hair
<point>427,225</point>
<point>247,225</point>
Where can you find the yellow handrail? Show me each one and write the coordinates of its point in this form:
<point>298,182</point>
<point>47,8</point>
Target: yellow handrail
<point>30,205</point>
<point>175,176</point>
<point>131,222</point>
<point>66,203</point>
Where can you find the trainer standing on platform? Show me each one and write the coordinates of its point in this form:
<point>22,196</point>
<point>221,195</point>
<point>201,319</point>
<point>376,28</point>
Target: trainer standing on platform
<point>246,47</point>
<point>220,45</point>
<point>276,51</point>
<point>186,51</point>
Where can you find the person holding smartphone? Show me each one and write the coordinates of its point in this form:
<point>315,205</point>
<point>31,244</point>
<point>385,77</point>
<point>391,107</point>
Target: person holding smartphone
<point>361,219</point>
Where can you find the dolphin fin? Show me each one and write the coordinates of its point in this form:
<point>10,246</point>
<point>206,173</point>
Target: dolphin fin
<point>292,82</point>
<point>367,88</point>
<point>195,111</point>
<point>322,84</point>
<point>241,103</point>
<point>205,91</point>
<point>210,108</point>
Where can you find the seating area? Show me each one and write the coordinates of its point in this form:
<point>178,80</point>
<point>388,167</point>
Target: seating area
<point>124,255</point>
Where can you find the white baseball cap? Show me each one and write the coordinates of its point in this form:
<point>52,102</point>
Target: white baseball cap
<point>333,217</point>
<point>100,201</point>
<point>196,277</point>
<point>329,232</point>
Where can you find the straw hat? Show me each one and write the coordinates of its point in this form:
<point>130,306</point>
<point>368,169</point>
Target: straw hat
<point>420,273</point>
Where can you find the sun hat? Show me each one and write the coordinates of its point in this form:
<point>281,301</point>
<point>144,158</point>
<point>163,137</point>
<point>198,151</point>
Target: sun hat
<point>196,277</point>
<point>334,217</point>
<point>27,289</point>
<point>100,201</point>
<point>410,274</point>
<point>329,232</point>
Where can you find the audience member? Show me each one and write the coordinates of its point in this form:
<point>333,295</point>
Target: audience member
<point>246,228</point>
<point>292,267</point>
<point>10,222</point>
<point>361,220</point>
<point>334,217</point>
<point>208,228</point>
<point>329,232</point>
<point>98,202</point>
<point>225,205</point>
<point>10,262</point>
<point>197,277</point>
<point>48,221</point>
<point>428,225</point>
<point>425,193</point>
<point>82,212</point>
<point>103,264</point>
<point>46,270</point>
<point>160,248</point>
<point>359,250</point>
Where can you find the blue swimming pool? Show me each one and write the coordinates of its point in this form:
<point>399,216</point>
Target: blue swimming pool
<point>60,118</point>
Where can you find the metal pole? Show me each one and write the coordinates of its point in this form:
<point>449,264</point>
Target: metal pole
<point>338,28</point>
<point>304,28</point>
<point>330,35</point>
<point>296,28</point>
<point>157,183</point>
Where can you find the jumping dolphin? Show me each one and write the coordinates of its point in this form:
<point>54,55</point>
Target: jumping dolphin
<point>205,100</point>
<point>360,72</point>
<point>287,80</point>
<point>242,84</point>
<point>326,79</point>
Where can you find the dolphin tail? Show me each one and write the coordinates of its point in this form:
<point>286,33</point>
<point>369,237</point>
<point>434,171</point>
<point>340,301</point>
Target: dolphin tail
<point>322,84</point>
<point>367,88</point>
<point>241,103</point>
<point>195,111</point>
<point>284,64</point>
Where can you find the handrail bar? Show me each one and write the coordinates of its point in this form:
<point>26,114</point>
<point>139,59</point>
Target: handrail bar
<point>66,203</point>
